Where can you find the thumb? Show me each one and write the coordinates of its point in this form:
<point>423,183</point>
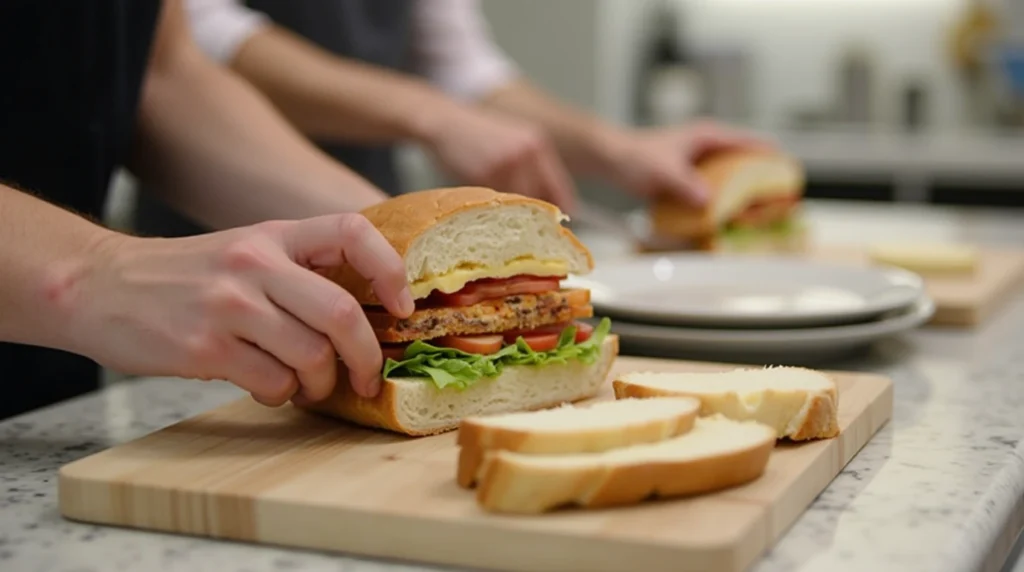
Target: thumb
<point>686,184</point>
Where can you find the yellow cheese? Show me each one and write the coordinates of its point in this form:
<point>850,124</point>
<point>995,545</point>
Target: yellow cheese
<point>456,279</point>
<point>927,258</point>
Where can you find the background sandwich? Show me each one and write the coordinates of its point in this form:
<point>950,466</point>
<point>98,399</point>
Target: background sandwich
<point>754,206</point>
<point>493,331</point>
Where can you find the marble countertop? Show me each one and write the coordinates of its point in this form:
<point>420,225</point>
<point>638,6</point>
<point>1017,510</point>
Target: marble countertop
<point>939,489</point>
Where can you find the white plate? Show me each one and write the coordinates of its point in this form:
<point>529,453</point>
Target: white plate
<point>775,346</point>
<point>696,289</point>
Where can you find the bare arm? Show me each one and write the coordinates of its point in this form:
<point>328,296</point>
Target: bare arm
<point>43,250</point>
<point>218,151</point>
<point>336,98</point>
<point>588,144</point>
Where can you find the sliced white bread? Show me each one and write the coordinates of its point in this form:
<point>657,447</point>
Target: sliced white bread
<point>717,453</point>
<point>573,429</point>
<point>800,404</point>
<point>416,407</point>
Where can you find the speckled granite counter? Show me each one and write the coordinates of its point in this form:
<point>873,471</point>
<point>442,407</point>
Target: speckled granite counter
<point>940,488</point>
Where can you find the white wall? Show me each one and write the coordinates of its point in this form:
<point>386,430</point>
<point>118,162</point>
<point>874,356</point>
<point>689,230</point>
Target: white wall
<point>796,44</point>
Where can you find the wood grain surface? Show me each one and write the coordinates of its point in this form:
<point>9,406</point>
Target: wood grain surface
<point>288,478</point>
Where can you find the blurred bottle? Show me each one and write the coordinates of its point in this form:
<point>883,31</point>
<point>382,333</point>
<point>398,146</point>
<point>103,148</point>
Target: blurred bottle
<point>669,86</point>
<point>856,86</point>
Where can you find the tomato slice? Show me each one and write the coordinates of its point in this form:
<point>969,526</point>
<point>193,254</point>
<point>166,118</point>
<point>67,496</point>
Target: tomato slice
<point>483,345</point>
<point>765,211</point>
<point>492,288</point>
<point>394,351</point>
<point>541,336</point>
<point>583,332</point>
<point>541,342</point>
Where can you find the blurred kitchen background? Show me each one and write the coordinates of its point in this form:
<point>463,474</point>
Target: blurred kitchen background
<point>884,100</point>
<point>906,100</point>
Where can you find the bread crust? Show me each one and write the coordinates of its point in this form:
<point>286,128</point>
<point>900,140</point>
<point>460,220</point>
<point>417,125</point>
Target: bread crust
<point>672,218</point>
<point>381,411</point>
<point>820,422</point>
<point>477,436</point>
<point>402,219</point>
<point>506,486</point>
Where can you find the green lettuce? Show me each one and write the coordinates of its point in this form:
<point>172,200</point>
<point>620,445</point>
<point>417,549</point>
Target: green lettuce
<point>447,367</point>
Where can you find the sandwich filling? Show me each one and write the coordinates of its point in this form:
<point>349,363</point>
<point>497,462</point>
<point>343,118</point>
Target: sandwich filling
<point>457,339</point>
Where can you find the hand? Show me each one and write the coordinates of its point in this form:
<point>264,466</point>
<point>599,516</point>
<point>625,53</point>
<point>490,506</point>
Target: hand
<point>243,305</point>
<point>661,161</point>
<point>485,149</point>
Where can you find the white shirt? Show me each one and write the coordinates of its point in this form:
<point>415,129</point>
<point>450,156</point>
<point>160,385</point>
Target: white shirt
<point>452,43</point>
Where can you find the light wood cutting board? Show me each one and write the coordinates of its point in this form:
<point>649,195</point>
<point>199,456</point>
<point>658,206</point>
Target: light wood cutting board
<point>284,477</point>
<point>960,300</point>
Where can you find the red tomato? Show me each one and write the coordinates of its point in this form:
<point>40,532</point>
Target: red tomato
<point>541,342</point>
<point>394,351</point>
<point>583,332</point>
<point>492,288</point>
<point>483,345</point>
<point>541,337</point>
<point>765,210</point>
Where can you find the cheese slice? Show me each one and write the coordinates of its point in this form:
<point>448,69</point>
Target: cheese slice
<point>927,258</point>
<point>456,279</point>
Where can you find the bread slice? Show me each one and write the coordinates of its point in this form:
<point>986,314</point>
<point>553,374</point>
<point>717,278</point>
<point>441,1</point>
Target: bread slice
<point>924,258</point>
<point>416,407</point>
<point>451,236</point>
<point>800,404</point>
<point>586,429</point>
<point>717,453</point>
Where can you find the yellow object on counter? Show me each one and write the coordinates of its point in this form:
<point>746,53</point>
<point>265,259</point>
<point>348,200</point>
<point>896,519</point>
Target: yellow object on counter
<point>927,258</point>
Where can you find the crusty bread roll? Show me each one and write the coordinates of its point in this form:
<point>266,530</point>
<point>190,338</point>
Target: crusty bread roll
<point>736,178</point>
<point>570,429</point>
<point>716,454</point>
<point>799,404</point>
<point>417,407</point>
<point>439,231</point>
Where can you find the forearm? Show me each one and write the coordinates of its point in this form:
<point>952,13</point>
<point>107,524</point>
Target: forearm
<point>45,252</point>
<point>216,150</point>
<point>587,144</point>
<point>338,99</point>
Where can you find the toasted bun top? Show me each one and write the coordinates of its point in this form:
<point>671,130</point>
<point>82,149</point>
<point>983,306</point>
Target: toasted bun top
<point>450,236</point>
<point>738,177</point>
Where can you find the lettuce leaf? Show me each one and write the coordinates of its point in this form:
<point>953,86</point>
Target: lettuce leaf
<point>447,367</point>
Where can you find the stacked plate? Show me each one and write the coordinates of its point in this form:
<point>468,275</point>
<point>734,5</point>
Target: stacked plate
<point>781,310</point>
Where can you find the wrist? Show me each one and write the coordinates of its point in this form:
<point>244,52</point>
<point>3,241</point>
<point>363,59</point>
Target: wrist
<point>430,118</point>
<point>75,285</point>
<point>605,151</point>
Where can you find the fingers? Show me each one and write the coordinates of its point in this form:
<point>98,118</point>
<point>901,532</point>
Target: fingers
<point>709,137</point>
<point>308,353</point>
<point>555,178</point>
<point>686,184</point>
<point>268,380</point>
<point>336,239</point>
<point>327,308</point>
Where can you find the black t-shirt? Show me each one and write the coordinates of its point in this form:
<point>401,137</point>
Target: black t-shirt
<point>71,73</point>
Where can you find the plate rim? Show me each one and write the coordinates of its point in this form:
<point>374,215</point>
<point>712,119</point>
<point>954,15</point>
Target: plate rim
<point>914,285</point>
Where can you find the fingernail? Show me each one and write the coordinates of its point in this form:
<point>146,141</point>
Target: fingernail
<point>370,388</point>
<point>405,302</point>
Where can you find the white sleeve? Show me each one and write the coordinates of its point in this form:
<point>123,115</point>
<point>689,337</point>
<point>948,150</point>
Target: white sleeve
<point>221,26</point>
<point>453,49</point>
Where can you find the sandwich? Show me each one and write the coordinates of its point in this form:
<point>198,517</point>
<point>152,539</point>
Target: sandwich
<point>493,331</point>
<point>753,206</point>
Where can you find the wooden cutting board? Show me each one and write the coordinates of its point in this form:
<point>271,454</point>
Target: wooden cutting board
<point>284,477</point>
<point>960,300</point>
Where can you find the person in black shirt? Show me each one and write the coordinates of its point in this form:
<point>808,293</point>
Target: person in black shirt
<point>99,84</point>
